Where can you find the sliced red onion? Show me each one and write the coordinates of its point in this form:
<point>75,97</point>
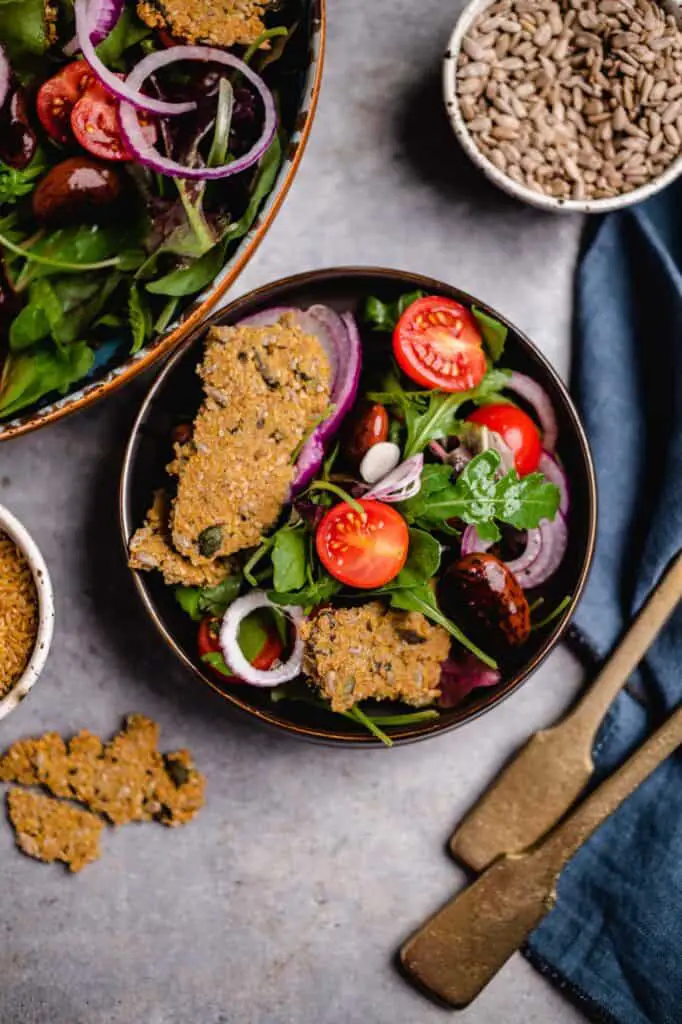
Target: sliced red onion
<point>340,339</point>
<point>102,17</point>
<point>555,474</point>
<point>147,154</point>
<point>544,551</point>
<point>233,654</point>
<point>458,678</point>
<point>344,392</point>
<point>129,89</point>
<point>402,483</point>
<point>536,396</point>
<point>5,75</point>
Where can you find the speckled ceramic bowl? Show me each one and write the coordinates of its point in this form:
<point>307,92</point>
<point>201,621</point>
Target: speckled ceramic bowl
<point>177,392</point>
<point>499,178</point>
<point>298,101</point>
<point>10,525</point>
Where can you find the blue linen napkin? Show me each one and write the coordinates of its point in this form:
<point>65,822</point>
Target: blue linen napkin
<point>614,941</point>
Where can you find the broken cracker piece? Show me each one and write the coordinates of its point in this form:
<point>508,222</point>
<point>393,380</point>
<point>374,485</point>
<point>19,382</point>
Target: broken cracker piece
<point>49,829</point>
<point>180,790</point>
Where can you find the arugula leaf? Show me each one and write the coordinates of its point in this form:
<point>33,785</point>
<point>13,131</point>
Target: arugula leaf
<point>262,186</point>
<point>478,497</point>
<point>15,184</point>
<point>432,415</point>
<point>317,592</point>
<point>29,376</point>
<point>383,316</point>
<point>422,599</point>
<point>140,318</point>
<point>289,559</point>
<point>193,278</point>
<point>494,333</point>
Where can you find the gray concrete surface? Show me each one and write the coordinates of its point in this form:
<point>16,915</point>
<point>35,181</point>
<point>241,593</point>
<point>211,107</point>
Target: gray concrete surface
<point>284,902</point>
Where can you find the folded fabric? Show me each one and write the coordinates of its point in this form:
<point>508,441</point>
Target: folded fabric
<point>613,943</point>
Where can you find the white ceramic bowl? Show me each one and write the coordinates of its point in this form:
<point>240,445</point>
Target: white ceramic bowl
<point>522,192</point>
<point>10,525</point>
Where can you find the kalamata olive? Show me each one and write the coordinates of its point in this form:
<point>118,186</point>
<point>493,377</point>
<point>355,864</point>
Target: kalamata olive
<point>17,138</point>
<point>76,189</point>
<point>365,427</point>
<point>480,592</point>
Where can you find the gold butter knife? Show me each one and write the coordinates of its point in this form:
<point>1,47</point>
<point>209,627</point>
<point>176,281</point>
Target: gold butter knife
<point>458,951</point>
<point>543,781</point>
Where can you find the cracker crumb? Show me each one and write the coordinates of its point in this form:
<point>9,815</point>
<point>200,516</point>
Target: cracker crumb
<point>215,22</point>
<point>52,830</point>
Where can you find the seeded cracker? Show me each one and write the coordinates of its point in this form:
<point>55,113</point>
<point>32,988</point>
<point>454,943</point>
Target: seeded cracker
<point>151,548</point>
<point>214,22</point>
<point>355,653</point>
<point>124,780</point>
<point>50,830</point>
<point>265,389</point>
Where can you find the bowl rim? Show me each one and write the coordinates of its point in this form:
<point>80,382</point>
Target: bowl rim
<point>330,736</point>
<point>17,532</point>
<point>61,408</point>
<point>521,192</point>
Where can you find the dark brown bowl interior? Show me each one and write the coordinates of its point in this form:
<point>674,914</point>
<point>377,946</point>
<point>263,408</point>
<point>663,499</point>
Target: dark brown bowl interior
<point>175,396</point>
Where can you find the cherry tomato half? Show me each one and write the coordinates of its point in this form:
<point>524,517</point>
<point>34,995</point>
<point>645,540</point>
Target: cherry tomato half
<point>208,643</point>
<point>95,123</point>
<point>58,95</point>
<point>516,429</point>
<point>363,550</point>
<point>437,343</point>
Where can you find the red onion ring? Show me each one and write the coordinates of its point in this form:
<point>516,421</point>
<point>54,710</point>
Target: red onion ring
<point>129,89</point>
<point>145,152</point>
<point>536,395</point>
<point>555,474</point>
<point>5,76</point>
<point>401,483</point>
<point>233,654</point>
<point>102,19</point>
<point>340,339</point>
<point>545,548</point>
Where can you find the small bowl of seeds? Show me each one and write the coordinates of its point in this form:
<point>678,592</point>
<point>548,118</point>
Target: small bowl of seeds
<point>26,612</point>
<point>569,105</point>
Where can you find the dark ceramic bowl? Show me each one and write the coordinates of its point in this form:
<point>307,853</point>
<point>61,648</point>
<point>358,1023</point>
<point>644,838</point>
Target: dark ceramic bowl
<point>297,80</point>
<point>176,395</point>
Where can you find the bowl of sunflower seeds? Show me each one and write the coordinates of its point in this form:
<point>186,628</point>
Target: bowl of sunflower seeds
<point>569,105</point>
<point>26,612</point>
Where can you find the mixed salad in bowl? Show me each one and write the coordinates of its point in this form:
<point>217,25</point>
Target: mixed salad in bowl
<point>137,144</point>
<point>366,517</point>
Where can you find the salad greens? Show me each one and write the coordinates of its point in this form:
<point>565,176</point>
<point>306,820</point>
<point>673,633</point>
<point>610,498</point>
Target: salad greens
<point>122,279</point>
<point>286,564</point>
<point>482,498</point>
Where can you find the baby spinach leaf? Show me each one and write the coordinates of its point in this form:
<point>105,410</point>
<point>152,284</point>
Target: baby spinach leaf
<point>423,559</point>
<point>29,376</point>
<point>383,316</point>
<point>24,33</point>
<point>479,497</point>
<point>289,559</point>
<point>494,333</point>
<point>79,246</point>
<point>127,32</point>
<point>200,601</point>
<point>140,318</point>
<point>193,278</point>
<point>61,308</point>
